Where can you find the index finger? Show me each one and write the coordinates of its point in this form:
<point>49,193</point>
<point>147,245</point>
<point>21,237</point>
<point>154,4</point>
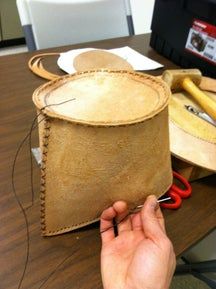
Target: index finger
<point>106,225</point>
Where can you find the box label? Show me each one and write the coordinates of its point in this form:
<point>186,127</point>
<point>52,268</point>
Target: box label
<point>202,40</point>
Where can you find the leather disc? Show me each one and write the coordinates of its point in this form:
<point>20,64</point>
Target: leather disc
<point>99,59</point>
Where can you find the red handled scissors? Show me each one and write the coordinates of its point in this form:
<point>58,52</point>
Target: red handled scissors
<point>176,193</point>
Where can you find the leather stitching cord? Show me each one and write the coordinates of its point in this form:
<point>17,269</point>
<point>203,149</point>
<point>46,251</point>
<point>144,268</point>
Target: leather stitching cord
<point>163,86</point>
<point>43,171</point>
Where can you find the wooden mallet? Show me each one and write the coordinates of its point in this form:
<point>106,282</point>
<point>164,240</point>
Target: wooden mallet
<point>189,79</point>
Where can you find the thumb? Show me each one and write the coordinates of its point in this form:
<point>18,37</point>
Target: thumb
<point>151,224</point>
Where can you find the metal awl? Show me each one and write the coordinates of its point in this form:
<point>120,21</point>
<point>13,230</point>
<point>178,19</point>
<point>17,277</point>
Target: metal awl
<point>200,114</point>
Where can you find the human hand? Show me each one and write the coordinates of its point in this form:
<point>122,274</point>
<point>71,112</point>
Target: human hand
<point>141,256</point>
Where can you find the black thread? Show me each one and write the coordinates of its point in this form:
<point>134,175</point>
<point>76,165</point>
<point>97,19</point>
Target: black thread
<point>29,134</point>
<point>20,204</point>
<point>117,223</point>
<point>31,163</point>
<point>132,211</point>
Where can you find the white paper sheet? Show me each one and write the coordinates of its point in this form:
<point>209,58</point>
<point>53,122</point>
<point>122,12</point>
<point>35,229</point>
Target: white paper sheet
<point>137,60</point>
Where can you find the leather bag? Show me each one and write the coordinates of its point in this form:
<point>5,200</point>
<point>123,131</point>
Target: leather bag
<point>104,137</point>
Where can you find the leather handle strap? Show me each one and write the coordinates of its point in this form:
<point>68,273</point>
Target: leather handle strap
<point>36,66</point>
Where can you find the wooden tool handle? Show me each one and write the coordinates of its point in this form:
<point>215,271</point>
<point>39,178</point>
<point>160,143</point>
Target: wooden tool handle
<point>208,83</point>
<point>207,104</point>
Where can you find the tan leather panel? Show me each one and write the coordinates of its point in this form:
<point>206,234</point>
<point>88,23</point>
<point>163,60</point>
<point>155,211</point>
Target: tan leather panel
<point>97,59</point>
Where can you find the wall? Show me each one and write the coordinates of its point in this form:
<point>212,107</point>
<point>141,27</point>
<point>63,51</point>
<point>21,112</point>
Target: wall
<point>9,20</point>
<point>142,14</point>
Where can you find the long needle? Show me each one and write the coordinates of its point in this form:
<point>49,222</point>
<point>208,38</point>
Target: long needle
<point>133,211</point>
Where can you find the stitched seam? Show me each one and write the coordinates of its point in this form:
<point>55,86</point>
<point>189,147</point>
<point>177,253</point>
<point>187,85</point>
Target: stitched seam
<point>45,142</point>
<point>191,134</point>
<point>161,85</point>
